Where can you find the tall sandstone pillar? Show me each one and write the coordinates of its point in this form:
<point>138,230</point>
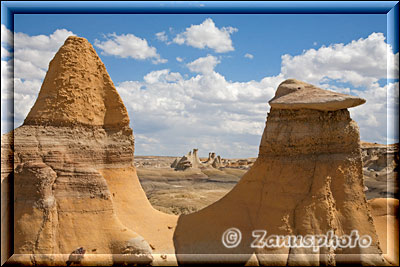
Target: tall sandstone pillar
<point>71,164</point>
<point>307,180</point>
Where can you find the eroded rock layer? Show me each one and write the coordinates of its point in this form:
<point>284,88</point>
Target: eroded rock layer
<point>307,180</point>
<point>73,151</point>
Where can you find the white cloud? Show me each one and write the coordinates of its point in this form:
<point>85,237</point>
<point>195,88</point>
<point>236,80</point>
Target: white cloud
<point>250,56</point>
<point>361,62</point>
<point>162,36</point>
<point>6,36</point>
<point>162,76</point>
<point>203,64</point>
<point>5,53</point>
<point>172,113</point>
<point>32,55</point>
<point>27,70</point>
<point>179,59</point>
<point>128,45</point>
<point>211,113</point>
<point>208,35</point>
<point>6,79</point>
<point>378,117</point>
<point>205,111</point>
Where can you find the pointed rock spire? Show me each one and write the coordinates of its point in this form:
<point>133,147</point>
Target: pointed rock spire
<point>78,90</point>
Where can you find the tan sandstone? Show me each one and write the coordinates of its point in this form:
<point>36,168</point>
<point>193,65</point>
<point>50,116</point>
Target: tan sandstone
<point>75,184</point>
<point>72,166</point>
<point>307,180</point>
<point>385,212</point>
<point>294,94</point>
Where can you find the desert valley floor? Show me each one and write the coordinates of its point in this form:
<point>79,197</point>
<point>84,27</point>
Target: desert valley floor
<point>183,192</point>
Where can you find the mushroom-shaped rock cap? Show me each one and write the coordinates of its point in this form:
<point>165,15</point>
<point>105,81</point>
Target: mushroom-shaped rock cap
<point>295,94</point>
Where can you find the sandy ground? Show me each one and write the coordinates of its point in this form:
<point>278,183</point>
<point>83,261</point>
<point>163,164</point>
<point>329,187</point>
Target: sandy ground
<point>183,192</point>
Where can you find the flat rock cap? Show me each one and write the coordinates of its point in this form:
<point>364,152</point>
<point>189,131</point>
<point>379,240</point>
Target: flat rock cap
<point>295,94</point>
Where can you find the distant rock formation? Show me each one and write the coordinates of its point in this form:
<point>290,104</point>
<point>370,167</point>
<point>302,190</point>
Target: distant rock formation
<point>72,166</point>
<point>175,162</point>
<point>307,180</point>
<point>211,157</point>
<point>217,163</point>
<point>191,160</point>
<point>380,168</point>
<point>379,157</point>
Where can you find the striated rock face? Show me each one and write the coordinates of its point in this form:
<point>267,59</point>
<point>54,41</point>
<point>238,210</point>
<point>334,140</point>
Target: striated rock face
<point>72,163</point>
<point>307,180</point>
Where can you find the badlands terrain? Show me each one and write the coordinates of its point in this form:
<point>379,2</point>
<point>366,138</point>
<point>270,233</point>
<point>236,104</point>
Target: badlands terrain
<point>182,192</point>
<point>74,194</point>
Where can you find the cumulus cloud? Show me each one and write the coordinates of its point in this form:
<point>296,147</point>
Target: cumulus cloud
<point>172,113</point>
<point>203,64</point>
<point>205,111</point>
<point>250,56</point>
<point>162,36</point>
<point>6,36</point>
<point>211,113</point>
<point>208,35</point>
<point>378,118</point>
<point>32,55</point>
<point>162,76</point>
<point>361,62</point>
<point>5,53</point>
<point>128,45</point>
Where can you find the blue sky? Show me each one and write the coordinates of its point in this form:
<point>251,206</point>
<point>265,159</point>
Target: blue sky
<point>204,80</point>
<point>267,37</point>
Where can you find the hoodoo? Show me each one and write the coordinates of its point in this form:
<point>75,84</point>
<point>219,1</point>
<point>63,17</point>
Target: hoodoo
<point>307,180</point>
<point>75,185</point>
<point>78,90</point>
<point>77,197</point>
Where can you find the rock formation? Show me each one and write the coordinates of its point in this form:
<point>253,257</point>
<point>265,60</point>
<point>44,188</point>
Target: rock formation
<point>174,163</point>
<point>380,167</point>
<point>307,180</point>
<point>190,160</point>
<point>211,157</point>
<point>294,94</point>
<point>217,163</point>
<point>72,165</point>
<point>78,200</point>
